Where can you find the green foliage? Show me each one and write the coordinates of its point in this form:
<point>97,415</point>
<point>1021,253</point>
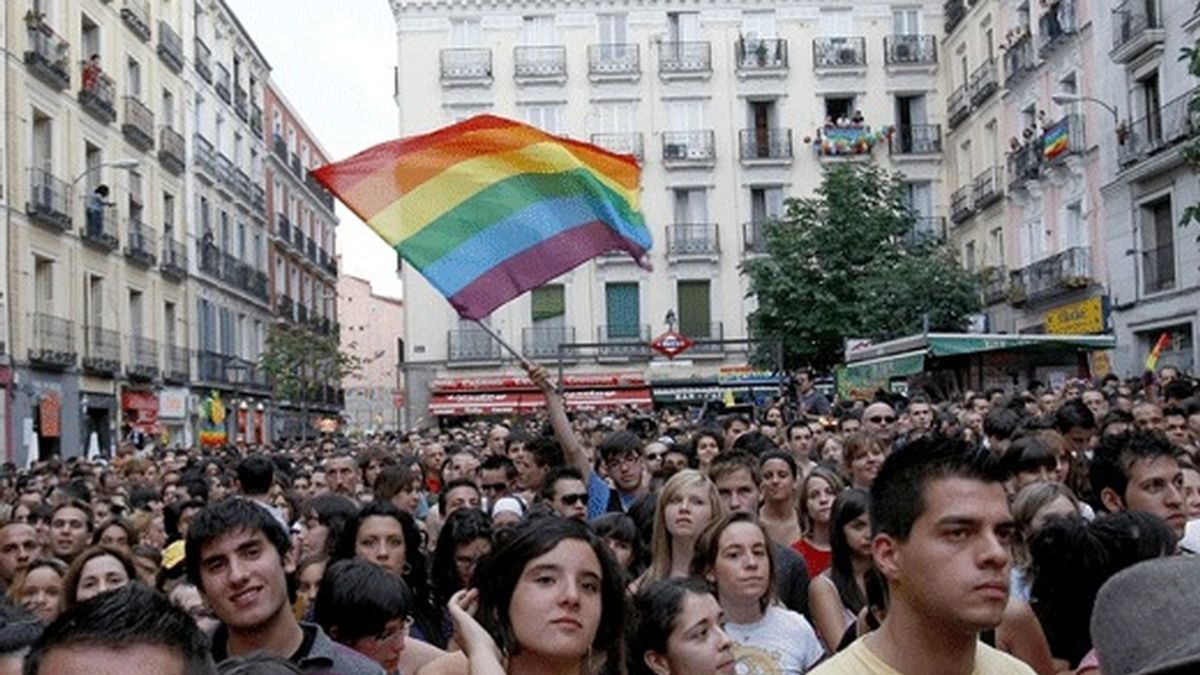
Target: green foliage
<point>301,361</point>
<point>843,263</point>
<point>1191,150</point>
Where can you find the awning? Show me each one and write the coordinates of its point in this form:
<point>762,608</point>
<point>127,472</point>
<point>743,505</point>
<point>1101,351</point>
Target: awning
<point>598,399</point>
<point>474,404</point>
<point>957,344</point>
<point>507,403</point>
<point>863,379</point>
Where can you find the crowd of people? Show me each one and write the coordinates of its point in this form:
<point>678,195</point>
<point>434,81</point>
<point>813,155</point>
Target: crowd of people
<point>1047,530</point>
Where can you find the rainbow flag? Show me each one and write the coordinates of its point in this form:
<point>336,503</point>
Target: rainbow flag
<point>1164,341</point>
<point>1056,139</point>
<point>489,208</point>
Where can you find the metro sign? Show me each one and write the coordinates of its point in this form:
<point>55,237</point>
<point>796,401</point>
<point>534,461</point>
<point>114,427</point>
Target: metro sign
<point>671,344</point>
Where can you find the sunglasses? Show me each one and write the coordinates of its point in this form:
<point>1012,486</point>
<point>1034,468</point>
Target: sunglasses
<point>572,500</point>
<point>654,456</point>
<point>882,419</point>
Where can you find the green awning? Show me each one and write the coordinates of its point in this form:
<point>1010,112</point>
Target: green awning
<point>957,345</point>
<point>862,379</point>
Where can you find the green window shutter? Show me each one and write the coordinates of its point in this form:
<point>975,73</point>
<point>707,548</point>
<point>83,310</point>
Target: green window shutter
<point>695,316</point>
<point>548,302</point>
<point>623,310</point>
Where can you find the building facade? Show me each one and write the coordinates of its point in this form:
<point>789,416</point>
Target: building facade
<point>729,107</point>
<point>373,328</point>
<point>303,264</point>
<point>95,197</point>
<point>1154,259</point>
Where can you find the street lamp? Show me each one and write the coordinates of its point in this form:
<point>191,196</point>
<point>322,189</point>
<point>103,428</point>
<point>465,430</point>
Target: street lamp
<point>1064,99</point>
<point>128,163</point>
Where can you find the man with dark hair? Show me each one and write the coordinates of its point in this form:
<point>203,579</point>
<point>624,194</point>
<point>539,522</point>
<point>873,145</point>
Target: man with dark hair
<point>1148,416</point>
<point>366,608</point>
<point>1175,427</point>
<point>800,443</point>
<point>999,425</point>
<point>942,533</point>
<point>737,478</point>
<point>809,400</point>
<point>132,629</point>
<point>70,529</point>
<point>18,548</point>
<point>1076,422</point>
<point>237,554</point>
<point>1115,422</point>
<point>734,425</point>
<point>254,476</point>
<point>1138,471</point>
<point>566,493</point>
<point>497,477</point>
<point>341,471</point>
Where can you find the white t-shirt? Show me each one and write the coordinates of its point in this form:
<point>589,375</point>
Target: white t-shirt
<point>781,643</point>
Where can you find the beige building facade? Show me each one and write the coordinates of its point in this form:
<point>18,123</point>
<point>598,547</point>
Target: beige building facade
<point>373,331</point>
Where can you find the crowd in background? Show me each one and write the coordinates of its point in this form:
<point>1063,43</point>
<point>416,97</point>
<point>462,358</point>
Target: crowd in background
<point>1048,530</point>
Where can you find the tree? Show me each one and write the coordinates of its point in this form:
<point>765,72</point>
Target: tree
<point>301,361</point>
<point>848,263</point>
<point>1191,151</point>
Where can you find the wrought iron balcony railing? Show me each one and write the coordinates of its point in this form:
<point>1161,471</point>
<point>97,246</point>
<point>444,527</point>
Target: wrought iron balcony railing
<point>1162,128</point>
<point>540,62</point>
<point>765,143</point>
<point>623,341</point>
<point>987,188</point>
<point>48,55</point>
<point>101,351</point>
<point>53,343</point>
<point>138,125</point>
<point>614,60</point>
<point>917,139</point>
<point>143,358</point>
<point>174,264</point>
<point>98,96</point>
<point>203,60</point>
<point>466,65</point>
<point>958,107</point>
<point>684,58</point>
<point>172,153</point>
<point>839,52</point>
<point>626,143</point>
<point>49,199</point>
<point>472,345</point>
<point>762,54</point>
<point>170,47</point>
<point>1137,25</point>
<point>688,146</point>
<point>1060,273</point>
<point>910,50</point>
<point>136,15</point>
<point>542,342</point>
<point>693,239</point>
<point>141,244</point>
<point>984,82</point>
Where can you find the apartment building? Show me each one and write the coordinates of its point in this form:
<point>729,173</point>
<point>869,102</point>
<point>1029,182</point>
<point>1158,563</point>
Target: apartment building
<point>373,327</point>
<point>303,265</point>
<point>94,191</point>
<point>228,228</point>
<point>1154,261</point>
<point>730,108</point>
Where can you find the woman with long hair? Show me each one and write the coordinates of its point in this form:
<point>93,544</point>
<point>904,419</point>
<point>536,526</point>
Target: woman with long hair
<point>548,601</point>
<point>96,570</point>
<point>706,445</point>
<point>862,458</point>
<point>837,595</point>
<point>39,588</point>
<point>1032,508</point>
<point>679,631</point>
<point>465,538</point>
<point>687,504</point>
<point>818,491</point>
<point>734,557</point>
<point>778,513</point>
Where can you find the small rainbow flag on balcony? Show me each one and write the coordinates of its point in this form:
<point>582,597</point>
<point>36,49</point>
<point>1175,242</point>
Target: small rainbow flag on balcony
<point>1056,139</point>
<point>489,208</point>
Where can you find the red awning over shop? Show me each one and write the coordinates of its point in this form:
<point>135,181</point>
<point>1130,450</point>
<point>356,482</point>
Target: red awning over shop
<point>474,404</point>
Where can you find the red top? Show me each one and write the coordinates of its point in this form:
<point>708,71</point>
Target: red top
<point>817,560</point>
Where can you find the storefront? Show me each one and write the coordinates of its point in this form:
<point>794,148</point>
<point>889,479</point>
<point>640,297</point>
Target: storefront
<point>516,395</point>
<point>732,385</point>
<point>139,416</point>
<point>173,428</point>
<point>45,415</point>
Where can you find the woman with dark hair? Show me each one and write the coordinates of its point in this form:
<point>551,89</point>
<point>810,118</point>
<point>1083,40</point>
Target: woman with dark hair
<point>96,570</point>
<point>380,533</point>
<point>839,594</point>
<point>363,607</point>
<point>778,513</point>
<point>818,491</point>
<point>324,517</point>
<point>620,533</point>
<point>38,588</point>
<point>678,631</point>
<point>706,444</point>
<point>115,532</point>
<point>549,599</point>
<point>862,457</point>
<point>734,556</point>
<point>1028,461</point>
<point>466,537</point>
<point>1073,558</point>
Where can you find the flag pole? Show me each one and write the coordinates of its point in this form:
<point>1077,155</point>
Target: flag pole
<point>507,347</point>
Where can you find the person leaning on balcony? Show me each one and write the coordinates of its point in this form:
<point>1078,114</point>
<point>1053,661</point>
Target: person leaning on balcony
<point>91,72</point>
<point>95,209</point>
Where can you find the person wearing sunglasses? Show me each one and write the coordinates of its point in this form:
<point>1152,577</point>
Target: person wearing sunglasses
<point>879,419</point>
<point>566,493</point>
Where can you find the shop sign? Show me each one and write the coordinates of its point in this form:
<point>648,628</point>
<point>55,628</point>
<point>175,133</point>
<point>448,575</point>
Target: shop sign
<point>1078,318</point>
<point>671,344</point>
<point>172,404</point>
<point>49,415</point>
<point>141,410</point>
<point>518,383</point>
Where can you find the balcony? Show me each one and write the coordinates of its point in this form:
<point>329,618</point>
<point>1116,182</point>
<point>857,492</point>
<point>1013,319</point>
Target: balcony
<point>174,261</point>
<point>222,84</point>
<point>684,59</point>
<point>211,367</point>
<point>1137,26</point>
<point>1158,269</point>
<point>101,351</point>
<point>98,95</point>
<point>916,139</point>
<point>754,238</point>
<point>466,67</point>
<point>1162,129</point>
<point>256,120</point>
<point>203,62</point>
<point>294,163</point>
<point>258,200</point>
<point>701,332</point>
<point>242,186</point>
<point>283,228</point>
<point>171,150</point>
<point>540,64</point>
<point>761,56</point>
<point>100,230</point>
<point>958,108</point>
<point>1020,59</point>
<point>210,259</point>
<point>987,188</point>
<point>138,126</point>
<point>910,50</point>
<point>136,15</point>
<point>954,11</point>
<point>241,106</point>
<point>1058,274</point>
<point>285,308</point>
<point>49,200</point>
<point>223,171</point>
<point>298,239</point>
<point>1024,164</point>
<point>627,143</point>
<point>48,55</point>
<point>177,364</point>
<point>280,148</point>
<point>926,231</point>
<point>688,147</point>
<point>765,145</point>
<point>840,54</point>
<point>984,82</point>
<point>623,342</point>
<point>53,343</point>
<point>693,240</point>
<point>170,47</point>
<point>205,159</point>
<point>993,283</point>
<point>472,346</point>
<point>143,358</point>
<point>332,266</point>
<point>1056,26</point>
<point>142,244</point>
<point>961,206</point>
<point>853,140</point>
<point>310,249</point>
<point>541,342</point>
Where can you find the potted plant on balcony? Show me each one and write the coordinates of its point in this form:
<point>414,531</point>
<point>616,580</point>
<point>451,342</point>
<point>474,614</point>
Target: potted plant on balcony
<point>1122,132</point>
<point>760,52</point>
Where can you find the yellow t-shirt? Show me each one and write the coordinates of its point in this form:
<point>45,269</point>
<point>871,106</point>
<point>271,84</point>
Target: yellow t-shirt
<point>858,660</point>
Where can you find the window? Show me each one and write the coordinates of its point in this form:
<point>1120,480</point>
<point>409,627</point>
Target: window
<point>1075,233</point>
<point>133,78</point>
<point>198,116</point>
<point>683,26</point>
<point>906,21</point>
<point>94,311</point>
<point>612,29</point>
<point>548,316</point>
<point>43,147</point>
<point>622,311</point>
<point>206,325</point>
<point>546,117</point>
<point>89,34</point>
<point>694,309</point>
<point>838,107</point>
<point>1033,242</point>
<point>43,285</point>
<point>995,252</point>
<point>539,30</point>
<point>691,205</point>
<point>168,203</point>
<point>766,203</point>
<point>464,33</point>
<point>1158,245</point>
<point>837,23</point>
<point>136,318</point>
<point>685,115</point>
<point>168,108</point>
<point>758,26</point>
<point>169,323</point>
<point>615,118</point>
<point>969,256</point>
<point>919,196</point>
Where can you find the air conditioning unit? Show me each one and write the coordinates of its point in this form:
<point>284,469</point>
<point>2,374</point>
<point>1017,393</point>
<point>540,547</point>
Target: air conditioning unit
<point>903,52</point>
<point>847,56</point>
<point>675,151</point>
